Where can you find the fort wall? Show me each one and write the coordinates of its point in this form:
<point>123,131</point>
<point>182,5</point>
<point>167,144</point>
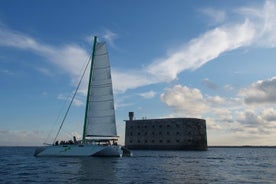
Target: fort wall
<point>166,134</point>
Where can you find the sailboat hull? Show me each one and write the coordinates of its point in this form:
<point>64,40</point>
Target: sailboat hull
<point>81,150</point>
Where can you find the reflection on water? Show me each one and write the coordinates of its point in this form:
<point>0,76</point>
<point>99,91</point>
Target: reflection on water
<point>97,170</point>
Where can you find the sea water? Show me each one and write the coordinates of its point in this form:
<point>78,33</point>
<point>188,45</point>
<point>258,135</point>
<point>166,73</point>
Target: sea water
<point>217,165</point>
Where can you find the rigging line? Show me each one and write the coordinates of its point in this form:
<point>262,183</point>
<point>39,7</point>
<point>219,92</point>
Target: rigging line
<point>63,106</point>
<point>72,100</point>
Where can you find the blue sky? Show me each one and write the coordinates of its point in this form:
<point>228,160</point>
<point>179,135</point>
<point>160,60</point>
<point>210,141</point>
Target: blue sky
<point>206,59</point>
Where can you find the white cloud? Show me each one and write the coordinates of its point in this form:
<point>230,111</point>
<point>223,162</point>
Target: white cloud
<point>203,49</point>
<point>78,100</point>
<point>254,122</point>
<point>148,95</point>
<point>228,115</point>
<point>106,35</point>
<point>254,26</point>
<point>45,71</point>
<point>260,92</point>
<point>69,57</point>
<point>212,125</point>
<point>228,87</point>
<point>124,80</point>
<point>110,36</point>
<point>249,118</point>
<point>215,100</point>
<point>269,114</point>
<point>185,101</point>
<point>264,19</point>
<point>216,16</point>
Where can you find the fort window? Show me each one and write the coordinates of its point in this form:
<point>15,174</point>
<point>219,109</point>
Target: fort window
<point>153,126</point>
<point>160,126</point>
<point>168,133</point>
<point>138,133</point>
<point>177,133</point>
<point>177,141</point>
<point>138,141</point>
<point>130,133</point>
<point>146,133</point>
<point>168,126</point>
<point>138,126</point>
<point>152,133</point>
<point>160,133</point>
<point>152,141</point>
<point>146,141</point>
<point>146,126</point>
<point>161,141</point>
<point>168,141</point>
<point>130,141</point>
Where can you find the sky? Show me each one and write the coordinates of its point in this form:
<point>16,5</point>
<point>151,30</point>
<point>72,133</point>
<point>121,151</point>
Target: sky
<point>214,60</point>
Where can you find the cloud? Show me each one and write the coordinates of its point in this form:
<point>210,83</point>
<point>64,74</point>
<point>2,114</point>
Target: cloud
<point>253,27</point>
<point>260,92</point>
<point>109,36</point>
<point>190,102</point>
<point>78,101</point>
<point>212,125</point>
<point>209,84</point>
<point>215,100</point>
<point>228,87</point>
<point>148,95</point>
<point>184,100</point>
<point>70,57</point>
<point>203,49</point>
<point>45,71</point>
<point>264,19</point>
<point>216,16</point>
<point>106,35</point>
<point>249,118</point>
<point>124,80</point>
<point>229,115</point>
<point>21,137</point>
<point>253,122</point>
<point>269,114</point>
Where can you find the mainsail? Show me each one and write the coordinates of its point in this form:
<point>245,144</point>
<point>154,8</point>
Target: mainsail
<point>100,114</point>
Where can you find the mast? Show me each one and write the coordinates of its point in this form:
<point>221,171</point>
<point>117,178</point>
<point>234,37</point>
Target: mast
<point>88,91</point>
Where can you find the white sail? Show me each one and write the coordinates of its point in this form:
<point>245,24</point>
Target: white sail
<point>100,120</point>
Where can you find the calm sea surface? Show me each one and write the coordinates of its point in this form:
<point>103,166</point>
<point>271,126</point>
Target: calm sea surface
<point>217,165</point>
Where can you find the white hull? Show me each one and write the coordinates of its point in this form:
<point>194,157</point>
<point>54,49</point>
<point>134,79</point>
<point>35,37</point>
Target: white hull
<point>81,150</point>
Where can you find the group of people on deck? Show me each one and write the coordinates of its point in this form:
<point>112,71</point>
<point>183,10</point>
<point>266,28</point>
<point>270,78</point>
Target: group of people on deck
<point>67,142</point>
<point>100,142</point>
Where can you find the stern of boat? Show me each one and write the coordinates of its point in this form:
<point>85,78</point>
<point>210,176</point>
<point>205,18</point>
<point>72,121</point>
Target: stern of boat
<point>110,151</point>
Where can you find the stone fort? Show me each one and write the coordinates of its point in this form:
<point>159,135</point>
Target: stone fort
<point>166,134</point>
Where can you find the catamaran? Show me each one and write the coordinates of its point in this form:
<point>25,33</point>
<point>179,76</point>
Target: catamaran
<point>99,128</point>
